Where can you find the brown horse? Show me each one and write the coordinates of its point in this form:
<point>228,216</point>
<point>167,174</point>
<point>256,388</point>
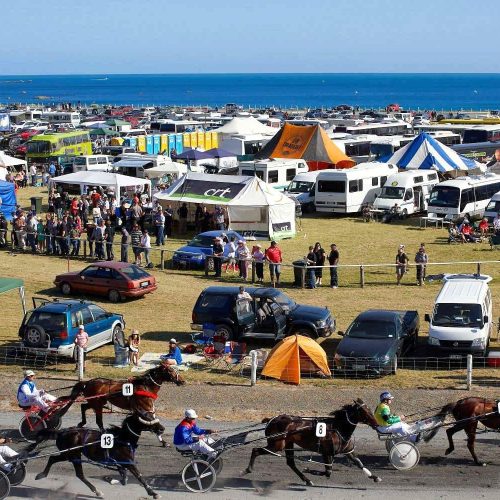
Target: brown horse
<point>468,412</point>
<point>99,391</point>
<point>284,431</point>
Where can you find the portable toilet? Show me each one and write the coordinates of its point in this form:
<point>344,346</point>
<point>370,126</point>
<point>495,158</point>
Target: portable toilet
<point>179,143</point>
<point>186,140</point>
<point>164,143</point>
<point>208,140</point>
<point>141,144</point>
<point>131,142</point>
<point>215,140</point>
<point>156,144</point>
<point>171,143</point>
<point>201,140</point>
<point>149,144</point>
<point>194,139</point>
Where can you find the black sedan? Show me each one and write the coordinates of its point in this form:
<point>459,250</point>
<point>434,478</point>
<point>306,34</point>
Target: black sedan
<point>374,341</point>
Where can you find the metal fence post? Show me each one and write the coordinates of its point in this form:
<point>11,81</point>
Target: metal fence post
<point>479,268</point>
<point>362,276</point>
<point>253,270</point>
<point>303,272</point>
<point>162,263</point>
<point>253,370</point>
<point>80,362</point>
<point>469,371</point>
<point>84,249</point>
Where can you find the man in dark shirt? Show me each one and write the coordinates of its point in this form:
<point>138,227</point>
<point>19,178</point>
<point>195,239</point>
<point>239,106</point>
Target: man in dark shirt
<point>183,215</point>
<point>169,214</point>
<point>125,241</point>
<point>310,260</point>
<point>333,259</point>
<point>218,250</point>
<point>109,235</point>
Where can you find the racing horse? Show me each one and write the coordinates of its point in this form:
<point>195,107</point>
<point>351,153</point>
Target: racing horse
<point>99,391</point>
<point>75,442</point>
<point>468,412</point>
<point>285,431</point>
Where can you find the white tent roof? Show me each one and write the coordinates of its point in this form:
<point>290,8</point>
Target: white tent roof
<point>3,173</point>
<point>10,161</point>
<point>245,126</point>
<point>103,179</point>
<point>166,168</point>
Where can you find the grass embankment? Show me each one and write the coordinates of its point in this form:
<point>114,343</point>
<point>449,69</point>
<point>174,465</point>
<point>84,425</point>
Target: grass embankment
<point>167,313</point>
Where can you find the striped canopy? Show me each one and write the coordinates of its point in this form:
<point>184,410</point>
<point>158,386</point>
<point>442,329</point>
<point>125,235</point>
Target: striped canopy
<point>425,152</point>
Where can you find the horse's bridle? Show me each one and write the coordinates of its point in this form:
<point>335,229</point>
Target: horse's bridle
<point>159,385</point>
<point>359,405</point>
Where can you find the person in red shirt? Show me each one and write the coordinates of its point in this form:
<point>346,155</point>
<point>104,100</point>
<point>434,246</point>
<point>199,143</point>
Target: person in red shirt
<point>95,197</point>
<point>467,232</point>
<point>274,257</point>
<point>74,207</point>
<point>484,227</point>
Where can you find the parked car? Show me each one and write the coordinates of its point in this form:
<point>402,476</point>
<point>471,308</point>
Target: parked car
<point>375,340</point>
<point>194,253</point>
<point>270,314</point>
<point>116,280</point>
<point>52,325</point>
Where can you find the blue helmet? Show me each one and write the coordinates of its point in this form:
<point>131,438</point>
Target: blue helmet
<point>386,395</point>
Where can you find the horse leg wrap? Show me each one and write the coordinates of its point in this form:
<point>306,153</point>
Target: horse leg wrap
<point>367,472</point>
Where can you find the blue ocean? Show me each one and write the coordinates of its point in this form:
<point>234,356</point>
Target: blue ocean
<point>412,91</point>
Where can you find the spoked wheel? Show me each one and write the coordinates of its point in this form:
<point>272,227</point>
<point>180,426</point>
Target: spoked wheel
<point>404,455</point>
<point>30,426</point>
<point>4,486</point>
<point>391,442</point>
<point>199,476</point>
<point>17,474</point>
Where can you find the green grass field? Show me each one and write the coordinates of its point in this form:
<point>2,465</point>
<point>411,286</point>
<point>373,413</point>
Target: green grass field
<point>167,312</point>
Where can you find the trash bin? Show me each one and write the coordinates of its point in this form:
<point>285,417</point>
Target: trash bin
<point>121,350</point>
<point>36,204</point>
<point>298,275</point>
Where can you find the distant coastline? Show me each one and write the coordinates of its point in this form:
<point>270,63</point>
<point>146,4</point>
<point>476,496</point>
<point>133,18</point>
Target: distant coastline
<point>438,91</point>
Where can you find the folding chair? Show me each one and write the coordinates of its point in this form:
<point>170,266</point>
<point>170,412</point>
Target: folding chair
<point>204,338</point>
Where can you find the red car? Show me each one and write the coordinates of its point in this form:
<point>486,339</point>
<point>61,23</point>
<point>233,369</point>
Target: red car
<point>115,280</point>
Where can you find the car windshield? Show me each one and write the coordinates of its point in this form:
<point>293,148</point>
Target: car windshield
<point>50,322</point>
<point>371,330</point>
<point>202,241</point>
<point>300,186</point>
<point>134,272</point>
<point>461,315</point>
<point>284,301</point>
<point>393,193</point>
<point>442,196</point>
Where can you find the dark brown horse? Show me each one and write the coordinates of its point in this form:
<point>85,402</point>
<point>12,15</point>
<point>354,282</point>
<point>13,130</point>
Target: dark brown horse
<point>100,391</point>
<point>468,412</point>
<point>75,442</point>
<point>285,431</point>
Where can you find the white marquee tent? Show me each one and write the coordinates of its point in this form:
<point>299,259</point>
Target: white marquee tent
<point>253,206</point>
<point>10,161</point>
<point>245,126</point>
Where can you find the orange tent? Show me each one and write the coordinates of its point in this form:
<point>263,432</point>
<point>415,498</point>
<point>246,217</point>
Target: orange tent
<point>295,355</point>
<point>311,143</point>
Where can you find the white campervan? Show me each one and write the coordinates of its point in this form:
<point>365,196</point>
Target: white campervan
<point>410,190</point>
<point>346,191</point>
<point>462,320</point>
<point>302,188</point>
<point>493,208</point>
<point>99,163</point>
<point>276,172</point>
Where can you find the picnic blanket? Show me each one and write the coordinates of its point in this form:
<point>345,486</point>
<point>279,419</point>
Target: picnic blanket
<point>151,360</point>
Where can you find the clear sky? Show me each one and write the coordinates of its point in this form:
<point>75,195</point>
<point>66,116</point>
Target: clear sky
<point>195,36</point>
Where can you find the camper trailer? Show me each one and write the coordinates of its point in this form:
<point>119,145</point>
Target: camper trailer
<point>302,188</point>
<point>346,191</point>
<point>410,190</point>
<point>277,173</point>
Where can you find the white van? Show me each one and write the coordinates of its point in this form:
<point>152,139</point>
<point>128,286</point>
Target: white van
<point>302,188</point>
<point>493,208</point>
<point>346,191</point>
<point>92,162</point>
<point>276,172</point>
<point>462,320</point>
<point>410,190</point>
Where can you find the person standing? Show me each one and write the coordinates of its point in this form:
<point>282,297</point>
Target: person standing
<point>125,241</point>
<point>183,216</point>
<point>320,261</point>
<point>242,254</point>
<point>333,260</point>
<point>258,258</point>
<point>136,236</point>
<point>230,251</point>
<point>33,174</point>
<point>401,263</point>
<point>421,259</point>
<point>134,342</point>
<point>218,251</point>
<point>52,169</point>
<point>220,218</point>
<point>81,341</point>
<point>99,240</point>
<point>310,261</point>
<point>198,217</point>
<point>160,227</point>
<point>109,235</point>
<point>274,257</point>
<point>169,217</point>
<point>146,247</point>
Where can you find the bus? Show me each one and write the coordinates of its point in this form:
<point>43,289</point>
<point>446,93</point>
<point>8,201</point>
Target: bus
<point>481,133</point>
<point>479,151</point>
<point>464,196</point>
<point>60,117</point>
<point>47,147</point>
<point>376,128</point>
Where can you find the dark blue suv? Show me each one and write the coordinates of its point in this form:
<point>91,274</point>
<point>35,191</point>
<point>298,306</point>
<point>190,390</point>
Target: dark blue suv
<point>52,325</point>
<point>270,314</point>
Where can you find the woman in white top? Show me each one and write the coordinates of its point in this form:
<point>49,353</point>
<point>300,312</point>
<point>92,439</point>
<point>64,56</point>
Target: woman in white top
<point>230,251</point>
<point>146,245</point>
<point>258,257</point>
<point>242,254</point>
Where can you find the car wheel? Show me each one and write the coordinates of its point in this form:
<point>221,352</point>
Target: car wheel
<point>118,337</point>
<point>114,296</point>
<point>210,264</point>
<point>394,367</point>
<point>224,332</point>
<point>35,336</point>
<point>305,332</point>
<point>66,288</point>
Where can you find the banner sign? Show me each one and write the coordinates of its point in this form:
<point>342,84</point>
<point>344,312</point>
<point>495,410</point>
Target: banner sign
<point>217,191</point>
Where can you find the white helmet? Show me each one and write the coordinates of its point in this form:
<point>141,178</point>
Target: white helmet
<point>190,414</point>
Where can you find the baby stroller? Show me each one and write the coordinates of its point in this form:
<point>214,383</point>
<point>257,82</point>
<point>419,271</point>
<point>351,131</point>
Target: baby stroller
<point>454,236</point>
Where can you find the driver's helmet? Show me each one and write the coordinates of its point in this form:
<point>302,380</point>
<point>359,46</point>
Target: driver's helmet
<point>386,395</point>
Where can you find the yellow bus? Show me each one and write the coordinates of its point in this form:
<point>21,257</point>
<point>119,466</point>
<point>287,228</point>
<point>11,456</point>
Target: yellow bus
<point>48,147</point>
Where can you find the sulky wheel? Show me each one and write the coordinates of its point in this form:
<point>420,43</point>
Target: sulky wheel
<point>404,455</point>
<point>217,464</point>
<point>4,486</point>
<point>199,476</point>
<point>391,442</point>
<point>30,426</point>
<point>17,474</point>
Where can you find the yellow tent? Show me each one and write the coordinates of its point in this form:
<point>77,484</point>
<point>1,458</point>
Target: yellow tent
<point>295,355</point>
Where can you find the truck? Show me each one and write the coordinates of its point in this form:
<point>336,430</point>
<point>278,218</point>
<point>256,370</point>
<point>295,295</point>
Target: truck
<point>375,340</point>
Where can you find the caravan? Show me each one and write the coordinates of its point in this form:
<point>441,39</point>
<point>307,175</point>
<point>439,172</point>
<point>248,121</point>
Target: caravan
<point>302,188</point>
<point>410,190</point>
<point>346,191</point>
<point>277,173</point>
